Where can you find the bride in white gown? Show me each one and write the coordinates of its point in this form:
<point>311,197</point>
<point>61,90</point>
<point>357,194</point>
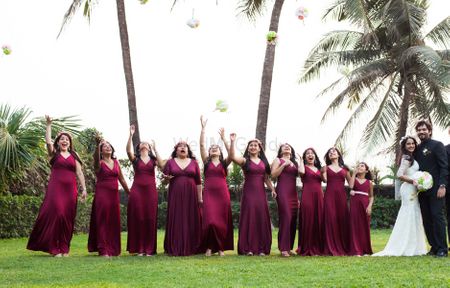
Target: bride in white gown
<point>408,236</point>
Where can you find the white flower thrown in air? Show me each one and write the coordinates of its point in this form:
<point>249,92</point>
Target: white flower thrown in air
<point>193,23</point>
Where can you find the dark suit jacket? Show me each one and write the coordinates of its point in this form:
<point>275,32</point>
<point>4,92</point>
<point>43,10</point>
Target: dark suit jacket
<point>448,161</point>
<point>432,157</point>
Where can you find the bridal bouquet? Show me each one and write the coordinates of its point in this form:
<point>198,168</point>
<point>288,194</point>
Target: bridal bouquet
<point>424,180</point>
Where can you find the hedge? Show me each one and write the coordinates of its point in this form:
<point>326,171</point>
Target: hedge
<point>18,213</point>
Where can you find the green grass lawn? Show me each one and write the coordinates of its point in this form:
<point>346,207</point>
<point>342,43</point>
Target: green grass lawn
<point>20,267</point>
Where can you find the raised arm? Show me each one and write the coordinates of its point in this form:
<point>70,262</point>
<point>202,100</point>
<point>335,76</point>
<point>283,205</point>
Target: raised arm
<point>48,136</point>
<point>159,161</point>
<point>226,144</point>
<point>277,167</point>
<point>348,177</point>
<point>130,151</point>
<point>97,153</point>
<point>236,159</point>
<point>81,180</point>
<point>351,183</point>
<point>301,165</point>
<point>203,152</point>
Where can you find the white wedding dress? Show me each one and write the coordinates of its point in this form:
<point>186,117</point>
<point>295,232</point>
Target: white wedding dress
<point>408,236</point>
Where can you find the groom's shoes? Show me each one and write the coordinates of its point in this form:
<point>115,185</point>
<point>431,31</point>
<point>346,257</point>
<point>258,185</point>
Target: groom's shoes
<point>441,254</point>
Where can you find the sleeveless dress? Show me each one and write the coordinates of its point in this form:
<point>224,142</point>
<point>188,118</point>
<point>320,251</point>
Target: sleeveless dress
<point>53,229</point>
<point>287,200</point>
<point>360,243</point>
<point>408,235</point>
<point>336,214</point>
<point>311,228</point>
<point>218,222</point>
<point>184,223</point>
<point>255,233</point>
<point>143,209</point>
<point>104,230</point>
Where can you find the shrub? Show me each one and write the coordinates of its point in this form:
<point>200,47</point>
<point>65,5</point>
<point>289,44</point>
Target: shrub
<point>384,212</point>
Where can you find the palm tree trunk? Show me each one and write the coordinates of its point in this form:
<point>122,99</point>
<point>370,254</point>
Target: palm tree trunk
<point>404,117</point>
<point>266,80</point>
<point>123,31</point>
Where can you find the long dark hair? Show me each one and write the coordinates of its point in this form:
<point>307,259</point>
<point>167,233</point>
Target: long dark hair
<point>368,174</point>
<point>58,151</point>
<point>112,148</point>
<point>292,158</point>
<point>174,152</point>
<point>137,153</point>
<point>221,159</point>
<point>261,156</point>
<point>340,159</point>
<point>409,155</point>
<point>317,162</point>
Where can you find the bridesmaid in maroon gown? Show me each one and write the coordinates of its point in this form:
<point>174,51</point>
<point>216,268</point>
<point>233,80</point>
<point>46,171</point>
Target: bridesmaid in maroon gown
<point>360,209</point>
<point>311,234</point>
<point>183,224</point>
<point>336,216</point>
<point>53,229</point>
<point>104,230</point>
<point>217,218</point>
<point>285,171</point>
<point>143,200</point>
<point>255,231</point>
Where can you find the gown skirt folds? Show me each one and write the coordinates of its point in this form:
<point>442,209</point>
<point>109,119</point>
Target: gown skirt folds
<point>287,200</point>
<point>217,219</point>
<point>359,220</point>
<point>336,214</point>
<point>104,230</point>
<point>143,209</point>
<point>311,228</point>
<point>53,229</point>
<point>255,233</point>
<point>184,222</point>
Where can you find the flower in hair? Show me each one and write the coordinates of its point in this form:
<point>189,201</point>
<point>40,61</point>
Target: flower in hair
<point>403,138</point>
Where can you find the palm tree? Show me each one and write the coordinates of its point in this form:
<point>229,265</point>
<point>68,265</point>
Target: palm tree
<point>22,141</point>
<point>393,72</point>
<point>126,57</point>
<point>253,8</point>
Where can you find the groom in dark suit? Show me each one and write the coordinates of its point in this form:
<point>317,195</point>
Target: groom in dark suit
<point>432,157</point>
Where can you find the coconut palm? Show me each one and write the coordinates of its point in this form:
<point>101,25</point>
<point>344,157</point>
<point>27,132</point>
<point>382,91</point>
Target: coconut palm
<point>22,141</point>
<point>126,57</point>
<point>394,73</point>
<point>252,9</point>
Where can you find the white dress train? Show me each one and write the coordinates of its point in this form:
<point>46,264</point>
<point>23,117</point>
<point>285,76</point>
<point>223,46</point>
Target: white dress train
<point>408,236</point>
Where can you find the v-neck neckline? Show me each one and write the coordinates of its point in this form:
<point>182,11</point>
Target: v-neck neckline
<point>335,172</point>
<point>315,172</point>
<point>106,164</point>
<point>65,158</point>
<point>357,179</point>
<point>257,164</point>
<point>182,169</point>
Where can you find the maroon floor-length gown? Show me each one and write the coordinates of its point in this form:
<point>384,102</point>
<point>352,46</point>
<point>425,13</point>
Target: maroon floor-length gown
<point>336,214</point>
<point>183,225</point>
<point>54,225</point>
<point>287,200</point>
<point>104,230</point>
<point>255,233</point>
<point>143,209</point>
<point>217,219</point>
<point>359,220</point>
<point>311,234</point>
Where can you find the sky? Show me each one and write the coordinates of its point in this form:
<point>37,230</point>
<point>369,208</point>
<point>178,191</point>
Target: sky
<point>179,72</point>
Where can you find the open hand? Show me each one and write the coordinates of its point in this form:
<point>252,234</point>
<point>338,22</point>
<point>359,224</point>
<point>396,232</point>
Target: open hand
<point>203,122</point>
<point>232,136</point>
<point>48,120</point>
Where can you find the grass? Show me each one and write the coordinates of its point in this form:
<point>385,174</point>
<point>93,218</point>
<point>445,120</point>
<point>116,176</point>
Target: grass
<point>19,267</point>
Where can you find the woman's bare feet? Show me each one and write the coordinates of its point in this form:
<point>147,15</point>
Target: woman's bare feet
<point>58,255</point>
<point>262,254</point>
<point>221,253</point>
<point>249,254</point>
<point>208,252</point>
<point>65,255</point>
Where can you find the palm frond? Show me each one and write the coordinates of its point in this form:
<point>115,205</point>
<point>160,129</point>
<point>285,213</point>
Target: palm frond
<point>87,11</point>
<point>365,105</point>
<point>444,54</point>
<point>440,34</point>
<point>357,13</point>
<point>384,122</point>
<point>336,11</point>
<point>251,8</point>
<point>337,40</point>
